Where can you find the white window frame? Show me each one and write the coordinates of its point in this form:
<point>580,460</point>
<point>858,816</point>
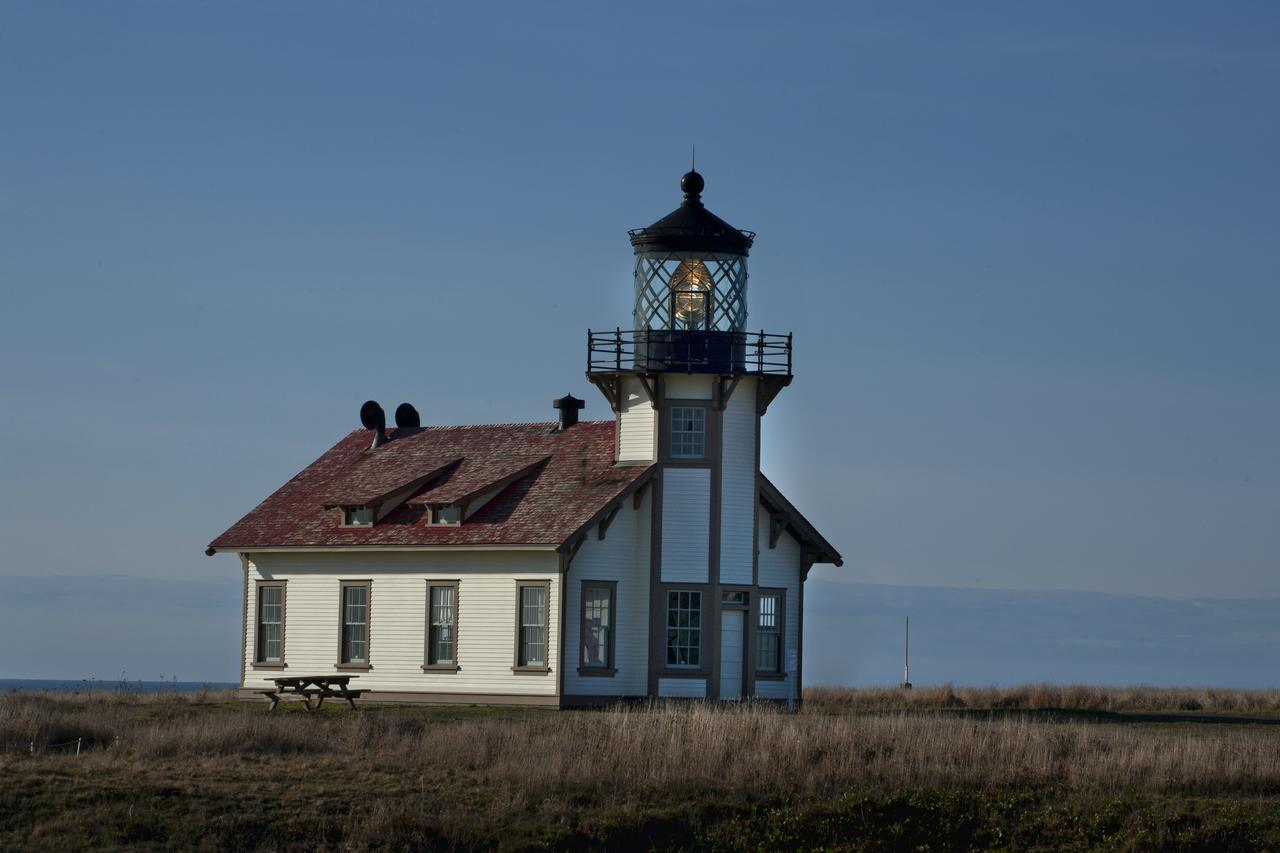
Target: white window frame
<point>682,440</point>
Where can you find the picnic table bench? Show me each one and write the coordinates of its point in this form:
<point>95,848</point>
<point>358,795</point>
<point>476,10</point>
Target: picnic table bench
<point>320,687</point>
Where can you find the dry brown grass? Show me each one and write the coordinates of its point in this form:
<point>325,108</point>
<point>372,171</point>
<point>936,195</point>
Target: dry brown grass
<point>751,749</point>
<point>155,770</point>
<point>1045,697</point>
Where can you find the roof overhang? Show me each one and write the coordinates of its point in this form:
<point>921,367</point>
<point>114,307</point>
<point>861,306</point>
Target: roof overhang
<point>811,541</point>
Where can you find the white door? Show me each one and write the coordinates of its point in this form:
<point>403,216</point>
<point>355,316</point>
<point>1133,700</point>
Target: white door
<point>731,654</point>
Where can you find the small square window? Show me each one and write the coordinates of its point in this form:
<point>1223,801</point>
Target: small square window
<point>357,516</point>
<point>446,515</point>
<point>688,432</point>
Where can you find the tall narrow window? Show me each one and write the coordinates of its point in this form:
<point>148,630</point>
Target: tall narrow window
<point>769,634</point>
<point>531,620</point>
<point>688,432</point>
<point>597,626</point>
<point>270,634</point>
<point>355,623</point>
<point>684,628</point>
<point>442,621</point>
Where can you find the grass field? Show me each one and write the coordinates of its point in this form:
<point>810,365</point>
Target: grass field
<point>938,768</point>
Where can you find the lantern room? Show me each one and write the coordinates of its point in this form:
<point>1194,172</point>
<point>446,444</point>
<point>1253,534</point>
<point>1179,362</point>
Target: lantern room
<point>691,269</point>
<point>690,301</point>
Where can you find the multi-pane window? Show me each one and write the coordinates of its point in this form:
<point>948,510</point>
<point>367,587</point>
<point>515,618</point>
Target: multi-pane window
<point>446,515</point>
<point>769,634</point>
<point>597,626</point>
<point>357,516</point>
<point>355,623</point>
<point>688,432</point>
<point>443,621</point>
<point>532,639</point>
<point>684,628</point>
<point>270,623</point>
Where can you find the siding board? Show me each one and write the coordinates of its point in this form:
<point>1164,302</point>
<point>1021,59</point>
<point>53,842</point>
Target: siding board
<point>635,424</point>
<point>780,568</point>
<point>685,688</point>
<point>686,524</point>
<point>397,612</point>
<point>623,556</point>
<point>738,484</point>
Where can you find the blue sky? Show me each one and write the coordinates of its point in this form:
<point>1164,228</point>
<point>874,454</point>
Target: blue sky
<point>1028,253</point>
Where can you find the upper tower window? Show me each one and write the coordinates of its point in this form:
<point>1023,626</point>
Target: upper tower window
<point>688,432</point>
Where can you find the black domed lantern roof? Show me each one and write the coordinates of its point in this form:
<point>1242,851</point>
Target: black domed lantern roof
<point>691,227</point>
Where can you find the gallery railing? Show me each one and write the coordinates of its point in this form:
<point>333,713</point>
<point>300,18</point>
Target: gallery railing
<point>692,351</point>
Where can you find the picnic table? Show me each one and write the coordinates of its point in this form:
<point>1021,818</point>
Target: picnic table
<point>320,687</point>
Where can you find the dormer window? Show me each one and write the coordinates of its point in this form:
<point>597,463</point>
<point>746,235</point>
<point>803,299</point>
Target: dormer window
<point>357,516</point>
<point>446,515</point>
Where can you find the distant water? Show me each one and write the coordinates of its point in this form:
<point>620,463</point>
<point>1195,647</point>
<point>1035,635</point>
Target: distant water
<point>34,685</point>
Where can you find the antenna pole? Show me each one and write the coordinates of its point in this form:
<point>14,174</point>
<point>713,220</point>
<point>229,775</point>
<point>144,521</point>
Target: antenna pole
<point>906,654</point>
<point>693,159</point>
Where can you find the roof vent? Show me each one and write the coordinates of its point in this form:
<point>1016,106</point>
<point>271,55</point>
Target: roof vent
<point>372,417</point>
<point>407,417</point>
<point>569,407</point>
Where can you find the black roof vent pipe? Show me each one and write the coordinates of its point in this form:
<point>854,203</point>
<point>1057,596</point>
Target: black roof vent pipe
<point>569,406</point>
<point>407,417</point>
<point>372,417</point>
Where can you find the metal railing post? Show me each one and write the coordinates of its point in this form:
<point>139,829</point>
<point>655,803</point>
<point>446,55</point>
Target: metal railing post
<point>617,348</point>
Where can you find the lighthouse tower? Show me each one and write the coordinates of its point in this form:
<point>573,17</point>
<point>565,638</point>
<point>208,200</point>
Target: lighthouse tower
<point>688,384</point>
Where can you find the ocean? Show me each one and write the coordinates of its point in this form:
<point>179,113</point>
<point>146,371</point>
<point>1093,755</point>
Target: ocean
<point>94,685</point>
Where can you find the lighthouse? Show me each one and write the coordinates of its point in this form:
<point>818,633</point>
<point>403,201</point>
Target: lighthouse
<point>573,562</point>
<point>688,385</point>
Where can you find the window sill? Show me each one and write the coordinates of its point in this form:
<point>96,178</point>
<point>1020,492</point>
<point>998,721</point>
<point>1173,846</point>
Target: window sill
<point>683,673</point>
<point>771,676</point>
<point>439,667</point>
<point>597,671</point>
<point>530,670</point>
<point>354,667</point>
<point>268,665</point>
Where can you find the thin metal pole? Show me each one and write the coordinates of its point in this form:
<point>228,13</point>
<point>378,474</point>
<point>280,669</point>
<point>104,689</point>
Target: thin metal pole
<point>906,652</point>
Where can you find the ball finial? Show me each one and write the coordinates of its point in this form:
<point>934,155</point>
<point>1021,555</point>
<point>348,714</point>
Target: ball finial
<point>692,184</point>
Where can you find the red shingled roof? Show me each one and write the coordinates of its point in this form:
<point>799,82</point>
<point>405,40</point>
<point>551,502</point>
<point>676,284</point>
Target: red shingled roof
<point>545,506</point>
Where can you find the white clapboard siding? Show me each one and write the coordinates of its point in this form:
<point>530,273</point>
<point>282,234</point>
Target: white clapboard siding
<point>623,556</point>
<point>682,386</point>
<point>738,502</point>
<point>685,688</point>
<point>780,569</point>
<point>686,524</point>
<point>636,424</point>
<point>397,612</point>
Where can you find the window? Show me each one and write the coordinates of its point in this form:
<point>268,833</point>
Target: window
<point>769,634</point>
<point>684,628</point>
<point>597,626</point>
<point>442,625</point>
<point>688,432</point>
<point>446,515</point>
<point>355,624</point>
<point>270,633</point>
<point>734,596</point>
<point>357,516</point>
<point>531,625</point>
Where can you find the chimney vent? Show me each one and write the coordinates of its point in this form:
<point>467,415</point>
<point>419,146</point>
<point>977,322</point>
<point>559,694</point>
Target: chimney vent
<point>372,417</point>
<point>407,417</point>
<point>569,407</point>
